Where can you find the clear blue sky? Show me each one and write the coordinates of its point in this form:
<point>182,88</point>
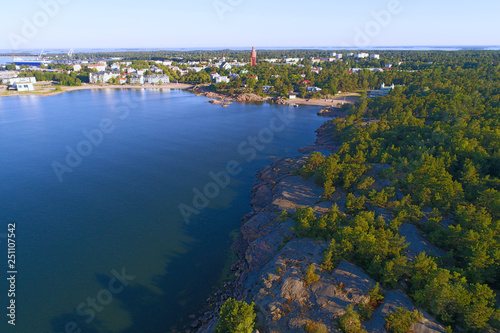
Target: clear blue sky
<point>196,23</point>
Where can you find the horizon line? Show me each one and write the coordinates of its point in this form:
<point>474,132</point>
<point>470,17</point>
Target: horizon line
<point>205,48</point>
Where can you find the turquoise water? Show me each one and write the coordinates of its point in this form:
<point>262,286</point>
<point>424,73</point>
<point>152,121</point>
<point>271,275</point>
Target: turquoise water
<point>114,207</point>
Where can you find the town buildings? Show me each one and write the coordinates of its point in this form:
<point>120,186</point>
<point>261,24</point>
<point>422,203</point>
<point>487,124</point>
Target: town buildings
<point>102,77</point>
<point>220,79</point>
<point>26,86</point>
<point>136,79</point>
<point>13,81</point>
<point>100,66</point>
<point>157,79</point>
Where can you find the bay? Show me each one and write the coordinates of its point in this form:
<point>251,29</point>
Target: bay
<point>89,207</point>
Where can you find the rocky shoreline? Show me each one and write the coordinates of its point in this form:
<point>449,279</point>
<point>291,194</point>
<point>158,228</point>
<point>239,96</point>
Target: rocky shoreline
<point>331,112</point>
<point>261,198</point>
<point>226,100</point>
<point>272,261</point>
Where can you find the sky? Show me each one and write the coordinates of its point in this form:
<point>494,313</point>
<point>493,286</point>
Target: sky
<point>66,24</point>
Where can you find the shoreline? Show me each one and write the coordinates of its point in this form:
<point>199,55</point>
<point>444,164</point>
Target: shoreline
<point>44,93</point>
<point>272,259</point>
<point>329,104</point>
<point>257,225</point>
<point>217,98</point>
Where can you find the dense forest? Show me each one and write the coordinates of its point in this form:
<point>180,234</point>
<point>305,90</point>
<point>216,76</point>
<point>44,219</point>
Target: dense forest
<point>336,76</point>
<point>427,154</point>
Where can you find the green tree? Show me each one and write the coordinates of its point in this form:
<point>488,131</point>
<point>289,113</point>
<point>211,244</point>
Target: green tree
<point>311,275</point>
<point>354,205</point>
<point>331,257</point>
<point>402,320</point>
<point>236,317</point>
<point>394,270</point>
<point>350,321</point>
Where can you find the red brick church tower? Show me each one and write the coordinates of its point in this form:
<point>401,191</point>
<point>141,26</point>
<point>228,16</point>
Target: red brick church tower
<point>254,57</point>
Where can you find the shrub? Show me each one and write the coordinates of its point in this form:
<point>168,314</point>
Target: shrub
<point>350,322</point>
<point>284,216</point>
<point>311,275</point>
<point>376,296</point>
<point>314,327</point>
<point>331,257</point>
<point>236,317</point>
<point>365,311</point>
<point>315,160</point>
<point>354,205</point>
<point>402,320</point>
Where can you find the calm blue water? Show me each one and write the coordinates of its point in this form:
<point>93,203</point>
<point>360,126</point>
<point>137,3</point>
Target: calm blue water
<point>4,60</point>
<point>118,208</point>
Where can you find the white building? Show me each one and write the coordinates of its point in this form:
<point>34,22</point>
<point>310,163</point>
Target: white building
<point>266,89</point>
<point>291,61</point>
<point>136,79</point>
<point>375,56</point>
<point>362,55</point>
<point>77,67</point>
<point>100,66</point>
<point>22,86</point>
<point>226,66</point>
<point>339,56</point>
<point>213,76</point>
<point>196,69</point>
<point>156,79</point>
<point>12,81</point>
<point>313,89</point>
<point>115,66</point>
<point>220,79</point>
<point>102,77</point>
<point>384,87</point>
<point>383,91</point>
